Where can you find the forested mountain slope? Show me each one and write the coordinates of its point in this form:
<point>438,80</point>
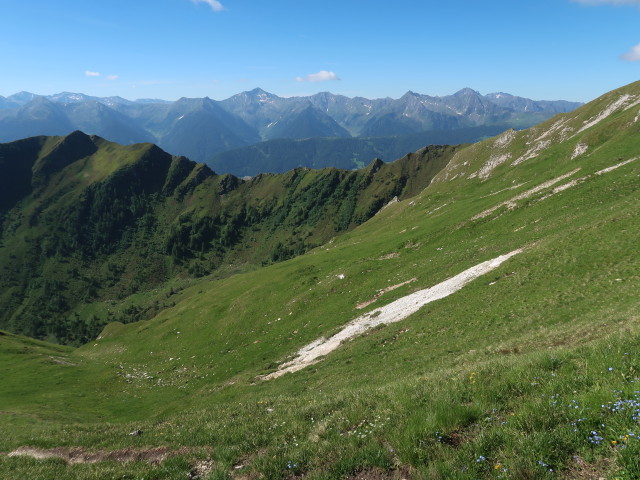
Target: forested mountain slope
<point>86,220</point>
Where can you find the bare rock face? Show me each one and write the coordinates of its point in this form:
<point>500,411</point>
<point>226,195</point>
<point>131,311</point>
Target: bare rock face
<point>580,149</point>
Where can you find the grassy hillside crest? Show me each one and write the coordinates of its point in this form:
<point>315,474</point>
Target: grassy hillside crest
<point>528,371</point>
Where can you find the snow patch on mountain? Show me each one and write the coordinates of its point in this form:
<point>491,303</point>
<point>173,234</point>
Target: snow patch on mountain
<point>391,313</point>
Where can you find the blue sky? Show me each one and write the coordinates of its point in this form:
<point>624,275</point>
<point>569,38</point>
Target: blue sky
<point>541,49</point>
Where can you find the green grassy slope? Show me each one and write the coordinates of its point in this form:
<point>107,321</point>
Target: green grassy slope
<point>528,372</point>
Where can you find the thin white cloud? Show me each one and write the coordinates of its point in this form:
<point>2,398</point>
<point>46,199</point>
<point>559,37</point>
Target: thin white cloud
<point>609,2</point>
<point>89,73</point>
<point>633,55</point>
<point>214,4</point>
<point>321,76</point>
<point>112,77</point>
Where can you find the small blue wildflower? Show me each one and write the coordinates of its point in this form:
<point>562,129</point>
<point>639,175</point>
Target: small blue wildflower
<point>594,438</point>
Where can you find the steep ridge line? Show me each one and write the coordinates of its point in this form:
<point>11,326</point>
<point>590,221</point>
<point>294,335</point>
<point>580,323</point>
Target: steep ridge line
<point>391,313</point>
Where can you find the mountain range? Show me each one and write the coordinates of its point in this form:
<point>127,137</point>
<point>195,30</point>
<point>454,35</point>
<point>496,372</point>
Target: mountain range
<point>202,128</point>
<point>481,325</point>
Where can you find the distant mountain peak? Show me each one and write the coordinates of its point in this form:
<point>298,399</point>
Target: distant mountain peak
<point>326,94</point>
<point>307,122</point>
<point>23,96</point>
<point>466,92</point>
<point>192,102</point>
<point>260,95</point>
<point>259,91</point>
<point>77,134</point>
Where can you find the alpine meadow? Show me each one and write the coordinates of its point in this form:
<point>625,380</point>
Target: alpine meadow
<point>463,312</point>
<point>319,240</point>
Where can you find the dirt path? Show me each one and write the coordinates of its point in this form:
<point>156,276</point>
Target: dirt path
<point>199,468</point>
<point>81,455</point>
<point>391,313</point>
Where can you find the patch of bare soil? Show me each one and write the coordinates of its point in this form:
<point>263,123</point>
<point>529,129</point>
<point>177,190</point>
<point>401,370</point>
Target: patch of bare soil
<point>403,473</point>
<point>61,361</point>
<point>581,470</point>
<point>81,455</point>
<point>240,472</point>
<point>201,469</point>
<point>389,256</point>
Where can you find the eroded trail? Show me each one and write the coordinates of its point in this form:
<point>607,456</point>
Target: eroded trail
<point>199,468</point>
<point>391,313</point>
<point>81,455</point>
